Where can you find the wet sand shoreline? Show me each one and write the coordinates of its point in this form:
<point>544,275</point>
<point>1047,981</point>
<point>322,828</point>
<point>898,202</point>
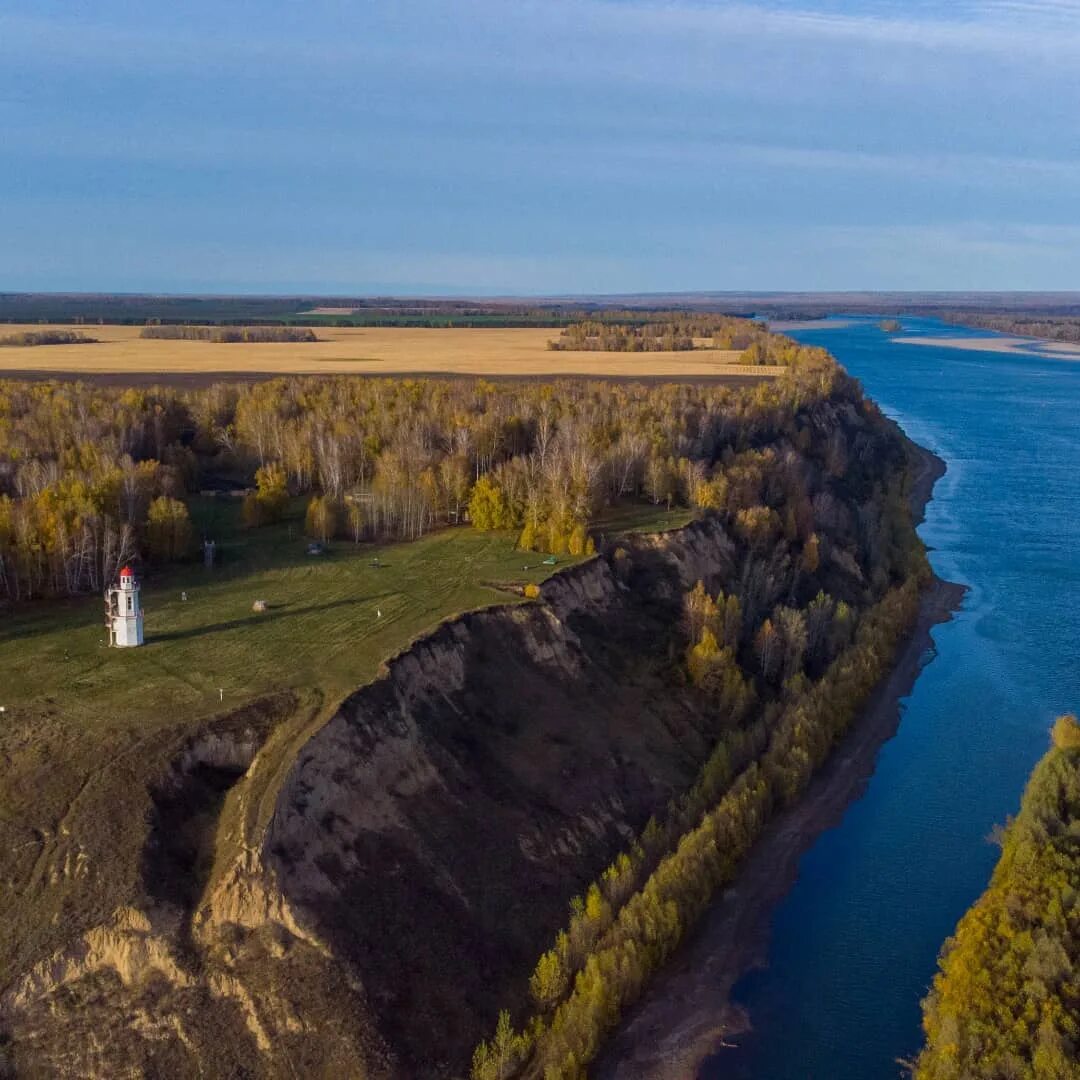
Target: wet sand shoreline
<point>999,343</point>
<point>687,1010</point>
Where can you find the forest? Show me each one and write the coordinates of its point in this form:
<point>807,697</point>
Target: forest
<point>1049,327</point>
<point>94,476</point>
<point>1006,1001</point>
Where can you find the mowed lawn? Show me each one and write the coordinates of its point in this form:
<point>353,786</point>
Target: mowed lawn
<point>363,351</point>
<point>331,619</point>
<point>87,729</point>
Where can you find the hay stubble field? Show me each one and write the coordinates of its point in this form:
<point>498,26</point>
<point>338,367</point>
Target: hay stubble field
<point>120,351</point>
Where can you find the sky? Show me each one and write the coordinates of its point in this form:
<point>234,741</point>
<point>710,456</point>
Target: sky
<point>538,146</point>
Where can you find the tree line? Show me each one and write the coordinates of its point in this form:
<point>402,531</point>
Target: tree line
<point>1050,327</point>
<point>673,331</point>
<point>136,310</point>
<point>1006,1001</point>
<point>229,334</point>
<point>45,337</point>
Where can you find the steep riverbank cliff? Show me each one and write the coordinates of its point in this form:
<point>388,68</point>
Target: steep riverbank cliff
<point>358,888</point>
<point>421,851</point>
<point>688,1013</point>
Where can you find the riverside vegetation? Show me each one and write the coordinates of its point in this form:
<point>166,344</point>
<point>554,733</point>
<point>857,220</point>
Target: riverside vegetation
<point>1006,1002</point>
<point>1023,324</point>
<point>744,645</point>
<point>632,918</point>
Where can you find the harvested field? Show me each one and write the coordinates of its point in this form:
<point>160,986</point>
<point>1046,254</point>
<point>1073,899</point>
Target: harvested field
<point>119,351</point>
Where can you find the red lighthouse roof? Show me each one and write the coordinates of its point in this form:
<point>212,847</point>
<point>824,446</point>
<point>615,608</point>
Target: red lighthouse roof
<point>127,572</point>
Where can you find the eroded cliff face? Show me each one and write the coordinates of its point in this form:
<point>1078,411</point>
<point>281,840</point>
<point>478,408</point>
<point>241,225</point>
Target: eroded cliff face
<point>421,851</point>
<point>434,830</point>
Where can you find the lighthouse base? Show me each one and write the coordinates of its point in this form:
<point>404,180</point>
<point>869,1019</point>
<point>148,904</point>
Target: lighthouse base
<point>126,633</point>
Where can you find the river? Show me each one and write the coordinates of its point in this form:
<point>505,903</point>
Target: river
<point>854,943</point>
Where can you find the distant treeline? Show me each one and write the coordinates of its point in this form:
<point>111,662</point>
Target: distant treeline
<point>45,337</point>
<point>230,334</point>
<point>664,331</point>
<point>304,311</point>
<point>137,310</point>
<point>1052,328</point>
<point>680,332</point>
<point>1006,1002</point>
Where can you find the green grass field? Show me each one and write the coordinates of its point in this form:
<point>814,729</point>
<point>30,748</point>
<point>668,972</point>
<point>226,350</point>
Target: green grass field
<point>87,729</point>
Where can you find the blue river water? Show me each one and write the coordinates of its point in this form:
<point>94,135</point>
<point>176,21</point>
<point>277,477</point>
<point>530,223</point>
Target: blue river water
<point>854,944</point>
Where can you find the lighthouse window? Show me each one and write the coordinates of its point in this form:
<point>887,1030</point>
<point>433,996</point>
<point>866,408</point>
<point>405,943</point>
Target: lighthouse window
<point>130,602</point>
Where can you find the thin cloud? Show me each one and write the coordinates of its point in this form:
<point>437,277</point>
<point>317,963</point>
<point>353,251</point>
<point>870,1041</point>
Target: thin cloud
<point>542,145</point>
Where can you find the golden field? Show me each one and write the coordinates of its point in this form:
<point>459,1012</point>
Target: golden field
<point>359,351</point>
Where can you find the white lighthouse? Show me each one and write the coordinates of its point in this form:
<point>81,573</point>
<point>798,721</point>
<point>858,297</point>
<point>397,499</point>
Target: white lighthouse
<point>123,612</point>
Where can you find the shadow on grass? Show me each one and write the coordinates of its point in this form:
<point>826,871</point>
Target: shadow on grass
<point>275,613</point>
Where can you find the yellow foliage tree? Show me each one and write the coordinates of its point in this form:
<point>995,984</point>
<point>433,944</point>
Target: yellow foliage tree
<point>320,520</point>
<point>579,538</point>
<point>488,508</point>
<point>168,528</point>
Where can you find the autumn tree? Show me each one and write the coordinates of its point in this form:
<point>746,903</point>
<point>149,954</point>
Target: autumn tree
<point>354,514</point>
<point>699,611</point>
<point>321,517</point>
<point>488,508</point>
<point>168,528</point>
<point>768,646</point>
<point>271,496</point>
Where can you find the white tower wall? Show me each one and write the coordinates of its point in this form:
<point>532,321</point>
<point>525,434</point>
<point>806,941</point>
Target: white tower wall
<point>123,611</point>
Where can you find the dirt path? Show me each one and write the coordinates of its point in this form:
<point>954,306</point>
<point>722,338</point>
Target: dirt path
<point>688,1009</point>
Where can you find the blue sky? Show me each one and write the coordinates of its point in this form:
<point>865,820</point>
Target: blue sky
<point>538,146</point>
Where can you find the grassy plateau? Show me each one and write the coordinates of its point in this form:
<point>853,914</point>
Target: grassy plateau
<point>87,730</point>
